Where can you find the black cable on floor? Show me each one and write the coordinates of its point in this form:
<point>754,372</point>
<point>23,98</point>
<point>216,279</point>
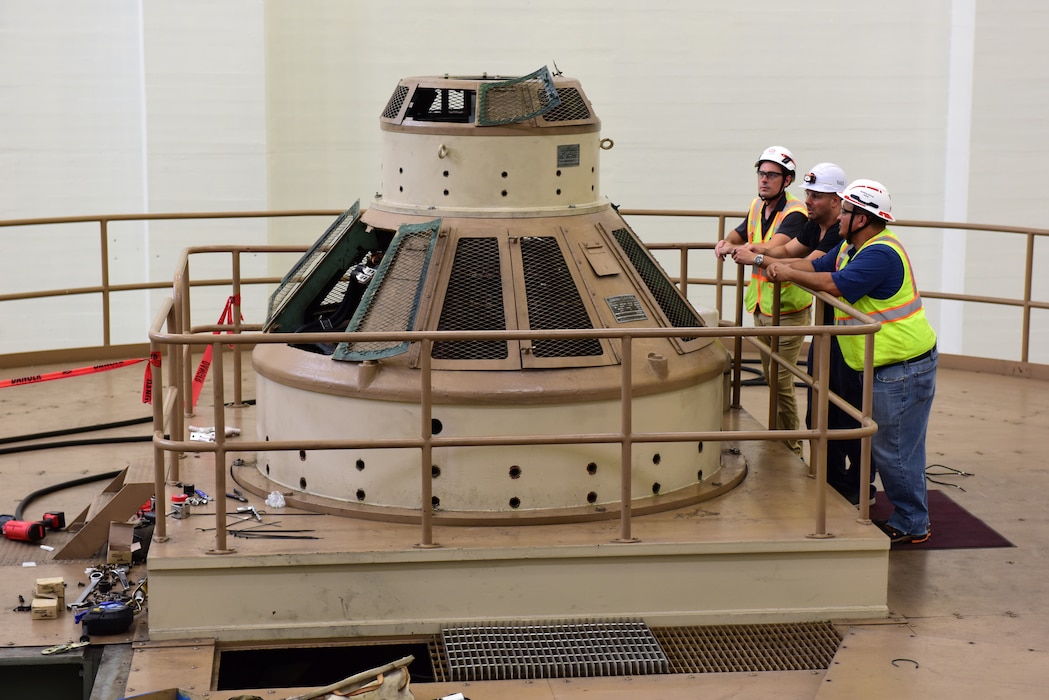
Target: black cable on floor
<point>59,487</point>
<point>76,443</point>
<point>73,431</point>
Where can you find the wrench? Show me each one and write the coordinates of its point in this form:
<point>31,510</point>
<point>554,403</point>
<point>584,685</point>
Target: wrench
<point>94,577</point>
<point>121,572</point>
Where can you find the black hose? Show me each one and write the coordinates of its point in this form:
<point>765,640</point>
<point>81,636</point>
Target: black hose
<point>76,443</point>
<point>73,431</point>
<point>58,487</point>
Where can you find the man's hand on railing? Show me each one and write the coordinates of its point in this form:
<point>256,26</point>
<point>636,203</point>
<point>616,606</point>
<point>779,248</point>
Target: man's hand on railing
<point>723,248</point>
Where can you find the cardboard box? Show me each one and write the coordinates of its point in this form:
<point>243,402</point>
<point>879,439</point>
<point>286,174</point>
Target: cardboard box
<point>122,543</point>
<point>53,587</point>
<point>44,608</point>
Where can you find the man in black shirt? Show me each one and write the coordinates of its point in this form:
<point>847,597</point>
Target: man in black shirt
<point>820,235</point>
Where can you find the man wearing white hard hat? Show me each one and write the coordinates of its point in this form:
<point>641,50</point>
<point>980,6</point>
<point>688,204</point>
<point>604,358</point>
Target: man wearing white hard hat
<point>871,271</point>
<point>823,186</point>
<point>775,217</point>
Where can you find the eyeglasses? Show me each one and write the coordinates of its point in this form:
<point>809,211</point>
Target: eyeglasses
<point>768,174</point>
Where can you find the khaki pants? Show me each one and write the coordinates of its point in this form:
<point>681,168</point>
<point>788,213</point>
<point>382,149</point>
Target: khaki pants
<point>789,349</point>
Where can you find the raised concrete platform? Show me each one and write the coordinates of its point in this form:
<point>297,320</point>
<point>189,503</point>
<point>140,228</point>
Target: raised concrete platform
<point>743,557</point>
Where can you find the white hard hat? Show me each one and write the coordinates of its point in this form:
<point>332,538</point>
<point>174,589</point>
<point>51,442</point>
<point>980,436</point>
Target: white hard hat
<point>870,195</point>
<point>824,177</point>
<point>778,155</point>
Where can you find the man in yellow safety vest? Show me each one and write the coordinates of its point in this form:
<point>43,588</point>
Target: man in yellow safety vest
<point>775,217</point>
<point>871,271</point>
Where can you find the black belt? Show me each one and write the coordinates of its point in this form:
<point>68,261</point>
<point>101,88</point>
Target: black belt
<point>927,353</point>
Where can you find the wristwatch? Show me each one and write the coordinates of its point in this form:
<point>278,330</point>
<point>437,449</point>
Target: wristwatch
<point>758,259</point>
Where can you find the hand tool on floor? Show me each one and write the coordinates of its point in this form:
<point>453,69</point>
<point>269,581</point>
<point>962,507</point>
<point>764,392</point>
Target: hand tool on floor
<point>94,578</point>
<point>250,509</point>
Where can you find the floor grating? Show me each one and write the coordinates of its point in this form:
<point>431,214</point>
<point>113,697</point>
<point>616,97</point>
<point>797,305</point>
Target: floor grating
<point>728,648</point>
<point>620,648</point>
<point>558,650</point>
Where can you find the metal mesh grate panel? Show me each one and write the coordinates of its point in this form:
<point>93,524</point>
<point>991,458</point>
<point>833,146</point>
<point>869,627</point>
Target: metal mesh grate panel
<point>517,100</point>
<point>392,298</point>
<point>560,650</point>
<point>677,310</point>
<point>473,302</point>
<point>553,299</point>
<point>750,648</point>
<point>572,107</point>
<point>393,107</point>
<point>309,261</point>
<point>438,659</point>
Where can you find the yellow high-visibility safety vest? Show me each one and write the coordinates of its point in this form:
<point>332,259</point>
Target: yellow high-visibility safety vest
<point>905,333</point>
<point>759,292</point>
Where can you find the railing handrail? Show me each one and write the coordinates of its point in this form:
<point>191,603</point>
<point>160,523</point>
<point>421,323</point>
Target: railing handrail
<point>175,332</point>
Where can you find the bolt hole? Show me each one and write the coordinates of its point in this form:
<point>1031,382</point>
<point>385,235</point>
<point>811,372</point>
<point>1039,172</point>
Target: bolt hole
<point>446,193</point>
<point>360,494</point>
<point>504,193</point>
<point>435,471</point>
<point>400,170</point>
<point>656,458</point>
<point>559,173</point>
<point>591,468</point>
<point>267,467</point>
<point>435,502</point>
<point>515,472</point>
<point>505,174</point>
<point>302,483</point>
<point>446,173</point>
<point>360,465</point>
<point>656,487</point>
<point>700,447</point>
<point>699,475</point>
<point>302,455</point>
<point>515,502</point>
<point>591,497</point>
<point>436,426</point>
<point>401,188</point>
<point>559,191</point>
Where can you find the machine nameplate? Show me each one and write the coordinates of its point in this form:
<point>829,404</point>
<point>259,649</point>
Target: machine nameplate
<point>626,308</point>
<point>568,155</point>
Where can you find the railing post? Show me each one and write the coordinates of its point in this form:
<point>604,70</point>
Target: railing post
<point>737,343</point>
<point>868,410</point>
<point>217,381</point>
<point>626,437</point>
<point>426,453</point>
<point>157,395</point>
<point>106,299</point>
<point>238,396</point>
<point>821,413</point>
<point>1025,340</point>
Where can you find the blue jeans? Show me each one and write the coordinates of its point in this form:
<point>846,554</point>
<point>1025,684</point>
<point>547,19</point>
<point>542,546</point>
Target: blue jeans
<point>903,396</point>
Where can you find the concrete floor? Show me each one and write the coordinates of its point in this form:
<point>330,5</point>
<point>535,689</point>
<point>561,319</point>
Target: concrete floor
<point>963,623</point>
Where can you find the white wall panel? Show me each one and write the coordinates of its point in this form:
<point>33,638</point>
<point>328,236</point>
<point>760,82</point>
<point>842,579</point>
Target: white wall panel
<point>194,105</point>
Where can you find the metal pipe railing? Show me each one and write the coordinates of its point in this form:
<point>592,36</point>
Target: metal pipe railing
<point>174,329</point>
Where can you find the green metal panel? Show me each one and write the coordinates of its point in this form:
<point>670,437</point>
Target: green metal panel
<point>392,300</point>
<point>318,270</point>
<point>517,100</point>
